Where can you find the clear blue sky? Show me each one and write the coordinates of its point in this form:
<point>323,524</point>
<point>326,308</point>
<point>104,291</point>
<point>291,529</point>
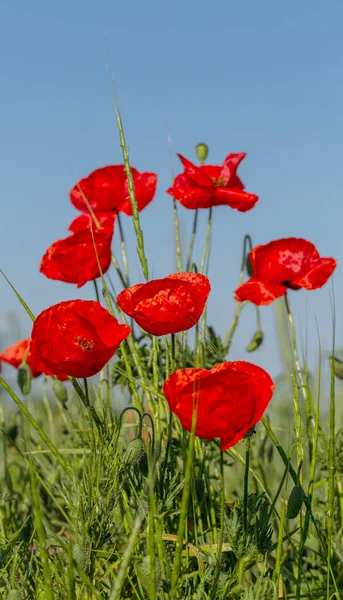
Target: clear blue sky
<point>262,77</point>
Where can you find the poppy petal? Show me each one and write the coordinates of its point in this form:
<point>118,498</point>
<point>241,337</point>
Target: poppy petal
<point>235,198</point>
<point>197,175</point>
<point>259,292</point>
<point>230,166</point>
<point>318,275</point>
<point>145,188</point>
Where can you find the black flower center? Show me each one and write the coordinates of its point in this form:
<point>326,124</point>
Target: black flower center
<point>84,343</point>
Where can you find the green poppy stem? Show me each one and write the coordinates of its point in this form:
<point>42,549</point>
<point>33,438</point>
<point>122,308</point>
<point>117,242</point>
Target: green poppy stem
<point>184,509</point>
<point>191,245</point>
<point>123,250</point>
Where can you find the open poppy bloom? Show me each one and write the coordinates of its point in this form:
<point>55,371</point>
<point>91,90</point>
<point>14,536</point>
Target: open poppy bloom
<point>290,263</point>
<point>76,338</point>
<point>106,190</point>
<point>167,305</point>
<point>229,399</point>
<point>209,185</point>
<point>74,259</point>
<point>86,221</point>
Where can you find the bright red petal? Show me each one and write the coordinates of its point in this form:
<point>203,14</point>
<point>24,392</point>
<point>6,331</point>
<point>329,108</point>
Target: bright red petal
<point>197,175</point>
<point>283,261</point>
<point>259,292</point>
<point>229,168</point>
<point>235,198</point>
<point>75,259</point>
<point>145,188</point>
<point>86,221</point>
<point>318,275</point>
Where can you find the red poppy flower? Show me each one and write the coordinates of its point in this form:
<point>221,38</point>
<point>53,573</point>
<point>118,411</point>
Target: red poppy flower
<point>86,221</point>
<point>230,399</point>
<point>167,305</point>
<point>77,338</point>
<point>15,354</point>
<point>74,259</point>
<point>288,263</point>
<point>106,190</point>
<point>209,185</point>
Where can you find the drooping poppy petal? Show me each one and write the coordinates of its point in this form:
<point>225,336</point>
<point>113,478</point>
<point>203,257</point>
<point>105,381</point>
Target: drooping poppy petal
<point>76,338</point>
<point>210,185</point>
<point>168,305</point>
<point>75,258</point>
<point>105,190</point>
<point>289,263</point>
<point>86,221</point>
<point>229,399</point>
<point>259,292</point>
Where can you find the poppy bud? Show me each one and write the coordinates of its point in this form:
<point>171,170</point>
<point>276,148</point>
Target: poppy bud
<point>295,502</point>
<point>143,569</point>
<point>201,151</point>
<point>237,590</point>
<point>248,266</point>
<point>24,378</point>
<point>134,452</point>
<point>80,556</point>
<point>337,366</point>
<point>256,341</point>
<point>14,595</point>
<point>41,594</point>
<point>60,392</point>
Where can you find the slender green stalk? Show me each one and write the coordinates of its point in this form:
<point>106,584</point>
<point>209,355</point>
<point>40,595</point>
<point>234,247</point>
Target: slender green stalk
<point>131,187</point>
<point>277,569</point>
<point>119,271</point>
<point>191,244</point>
<point>207,241</point>
<point>97,295</point>
<point>85,400</point>
<point>239,305</point>
<point>123,250</point>
<point>120,578</point>
<point>175,214</point>
<point>39,430</point>
<point>221,533</point>
<point>332,453</point>
<point>246,488</point>
<point>184,507</point>
<point>41,534</point>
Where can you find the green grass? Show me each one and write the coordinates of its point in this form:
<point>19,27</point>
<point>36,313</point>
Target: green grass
<point>98,504</point>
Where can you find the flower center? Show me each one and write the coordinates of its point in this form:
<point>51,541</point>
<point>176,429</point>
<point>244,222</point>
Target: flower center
<point>84,343</point>
<point>219,182</point>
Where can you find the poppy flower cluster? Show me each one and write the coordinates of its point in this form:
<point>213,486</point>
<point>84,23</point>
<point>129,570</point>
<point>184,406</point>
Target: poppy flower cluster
<point>77,338</point>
